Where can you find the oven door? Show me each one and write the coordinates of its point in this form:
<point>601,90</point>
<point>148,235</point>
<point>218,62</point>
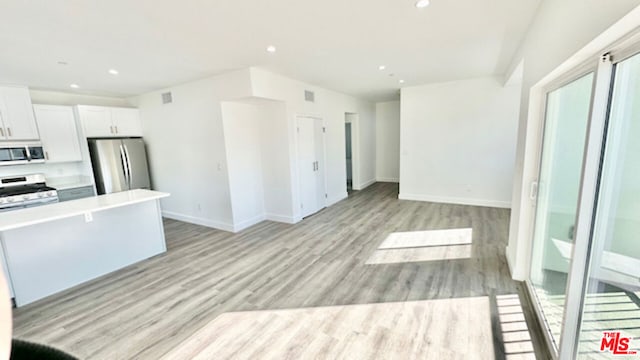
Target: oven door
<point>27,204</point>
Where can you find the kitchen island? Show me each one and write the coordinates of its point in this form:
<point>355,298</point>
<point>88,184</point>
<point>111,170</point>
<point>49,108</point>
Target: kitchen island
<point>54,247</point>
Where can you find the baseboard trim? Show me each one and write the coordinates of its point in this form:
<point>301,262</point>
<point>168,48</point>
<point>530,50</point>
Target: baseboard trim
<point>365,185</point>
<point>336,199</point>
<point>508,258</point>
<point>458,201</point>
<point>389,180</point>
<point>237,227</point>
<point>280,218</point>
<point>198,221</point>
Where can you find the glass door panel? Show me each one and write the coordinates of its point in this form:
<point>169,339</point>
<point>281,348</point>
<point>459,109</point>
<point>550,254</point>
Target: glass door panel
<point>566,120</point>
<point>612,301</point>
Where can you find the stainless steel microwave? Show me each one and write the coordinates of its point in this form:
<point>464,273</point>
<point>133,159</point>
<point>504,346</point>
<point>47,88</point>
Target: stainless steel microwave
<point>17,154</point>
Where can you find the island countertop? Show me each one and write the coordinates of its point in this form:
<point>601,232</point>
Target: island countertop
<point>36,215</point>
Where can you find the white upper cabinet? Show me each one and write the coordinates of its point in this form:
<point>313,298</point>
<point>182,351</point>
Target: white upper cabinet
<point>58,133</point>
<point>96,121</point>
<point>17,121</point>
<point>126,121</point>
<point>102,121</point>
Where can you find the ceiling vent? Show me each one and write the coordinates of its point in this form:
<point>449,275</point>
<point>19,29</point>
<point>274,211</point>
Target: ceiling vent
<point>167,98</point>
<point>309,96</point>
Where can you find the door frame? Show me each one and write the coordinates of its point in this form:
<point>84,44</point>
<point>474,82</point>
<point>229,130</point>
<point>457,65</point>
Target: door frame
<point>534,191</point>
<point>298,166</point>
<point>355,153</point>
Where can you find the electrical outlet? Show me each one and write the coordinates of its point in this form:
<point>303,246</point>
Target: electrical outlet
<point>88,217</point>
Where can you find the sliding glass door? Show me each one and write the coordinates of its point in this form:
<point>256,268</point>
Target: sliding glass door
<point>612,298</point>
<point>585,263</point>
<point>566,119</point>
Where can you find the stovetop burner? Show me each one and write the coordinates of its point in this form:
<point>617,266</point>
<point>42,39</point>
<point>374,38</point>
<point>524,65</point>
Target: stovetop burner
<point>24,189</point>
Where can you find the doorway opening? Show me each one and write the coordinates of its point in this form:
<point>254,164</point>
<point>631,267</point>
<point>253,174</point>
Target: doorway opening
<point>350,129</point>
<point>347,133</point>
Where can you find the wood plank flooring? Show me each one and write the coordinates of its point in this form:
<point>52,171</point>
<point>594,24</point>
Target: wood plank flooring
<point>395,330</point>
<point>148,310</point>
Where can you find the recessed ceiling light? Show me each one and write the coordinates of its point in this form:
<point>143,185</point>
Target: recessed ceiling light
<point>422,4</point>
<point>401,81</point>
<point>74,86</point>
<point>271,49</point>
<point>113,72</point>
<point>381,67</point>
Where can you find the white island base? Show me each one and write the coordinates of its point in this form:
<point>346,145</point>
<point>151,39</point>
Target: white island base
<point>51,248</point>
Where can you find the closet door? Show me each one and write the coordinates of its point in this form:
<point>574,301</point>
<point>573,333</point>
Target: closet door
<point>310,165</point>
<point>320,163</point>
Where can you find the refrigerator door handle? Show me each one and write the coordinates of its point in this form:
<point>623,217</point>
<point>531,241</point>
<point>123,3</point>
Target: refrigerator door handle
<point>126,153</point>
<point>123,158</point>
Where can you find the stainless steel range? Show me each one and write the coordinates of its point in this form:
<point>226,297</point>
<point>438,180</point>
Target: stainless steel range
<point>17,192</point>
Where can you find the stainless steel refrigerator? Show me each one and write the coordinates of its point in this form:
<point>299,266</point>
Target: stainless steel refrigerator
<point>119,164</point>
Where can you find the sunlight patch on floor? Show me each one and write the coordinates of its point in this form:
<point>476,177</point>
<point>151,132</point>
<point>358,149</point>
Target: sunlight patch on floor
<point>434,253</point>
<point>410,239</point>
<point>515,332</point>
<point>430,329</point>
<point>427,245</point>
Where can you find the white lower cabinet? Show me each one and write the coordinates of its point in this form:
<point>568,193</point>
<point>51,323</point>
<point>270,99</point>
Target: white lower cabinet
<point>58,133</point>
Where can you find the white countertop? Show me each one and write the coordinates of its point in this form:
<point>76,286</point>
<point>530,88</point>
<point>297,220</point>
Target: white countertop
<point>69,182</point>
<point>40,214</point>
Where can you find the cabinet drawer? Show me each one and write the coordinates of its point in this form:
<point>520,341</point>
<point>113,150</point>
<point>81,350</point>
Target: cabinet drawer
<point>75,193</point>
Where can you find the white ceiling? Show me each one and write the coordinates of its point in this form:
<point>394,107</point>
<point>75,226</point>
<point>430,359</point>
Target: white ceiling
<point>337,44</point>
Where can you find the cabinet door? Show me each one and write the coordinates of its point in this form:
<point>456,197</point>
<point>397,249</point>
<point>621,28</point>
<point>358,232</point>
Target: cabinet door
<point>126,122</point>
<point>17,114</point>
<point>3,129</point>
<point>58,133</point>
<point>96,121</point>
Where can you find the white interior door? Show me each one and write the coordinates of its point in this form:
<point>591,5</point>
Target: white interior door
<point>310,165</point>
<point>320,163</point>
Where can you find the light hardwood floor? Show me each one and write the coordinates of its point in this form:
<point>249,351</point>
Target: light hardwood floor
<point>155,307</point>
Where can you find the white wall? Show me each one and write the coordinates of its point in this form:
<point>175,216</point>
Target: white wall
<point>458,142</point>
<point>186,147</point>
<point>242,134</point>
<point>276,165</point>
<point>51,171</point>
<point>388,141</point>
<point>257,158</point>
<point>331,107</point>
<point>575,24</point>
<point>204,146</point>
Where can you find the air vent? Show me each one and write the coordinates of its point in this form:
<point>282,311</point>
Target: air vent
<point>309,96</point>
<point>167,98</point>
